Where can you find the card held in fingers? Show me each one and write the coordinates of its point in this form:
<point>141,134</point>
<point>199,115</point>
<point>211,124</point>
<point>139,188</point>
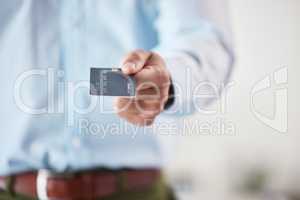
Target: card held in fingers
<point>111,82</point>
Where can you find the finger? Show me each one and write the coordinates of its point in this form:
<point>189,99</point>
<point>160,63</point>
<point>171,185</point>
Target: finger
<point>143,108</point>
<point>141,121</point>
<point>138,120</point>
<point>152,76</point>
<point>153,93</point>
<point>135,61</point>
<point>122,104</point>
<point>161,98</point>
<point>137,113</point>
<point>148,109</point>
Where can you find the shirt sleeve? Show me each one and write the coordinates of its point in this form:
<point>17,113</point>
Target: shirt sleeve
<point>197,54</point>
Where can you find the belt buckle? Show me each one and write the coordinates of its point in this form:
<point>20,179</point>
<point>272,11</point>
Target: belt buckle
<point>41,184</point>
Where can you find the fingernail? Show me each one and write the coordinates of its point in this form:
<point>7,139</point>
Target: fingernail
<point>129,66</point>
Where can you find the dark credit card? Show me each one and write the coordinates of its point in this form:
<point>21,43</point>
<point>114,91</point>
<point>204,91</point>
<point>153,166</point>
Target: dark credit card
<point>111,82</point>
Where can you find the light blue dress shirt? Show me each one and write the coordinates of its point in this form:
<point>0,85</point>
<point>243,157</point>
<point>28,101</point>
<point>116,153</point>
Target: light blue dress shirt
<point>47,47</point>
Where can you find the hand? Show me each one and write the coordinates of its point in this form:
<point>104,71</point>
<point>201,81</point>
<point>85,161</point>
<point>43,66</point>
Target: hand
<point>152,91</point>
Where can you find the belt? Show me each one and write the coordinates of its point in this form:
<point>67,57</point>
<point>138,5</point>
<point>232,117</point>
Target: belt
<point>87,185</point>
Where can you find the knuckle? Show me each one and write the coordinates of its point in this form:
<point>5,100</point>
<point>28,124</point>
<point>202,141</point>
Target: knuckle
<point>133,56</point>
<point>138,54</point>
<point>141,51</point>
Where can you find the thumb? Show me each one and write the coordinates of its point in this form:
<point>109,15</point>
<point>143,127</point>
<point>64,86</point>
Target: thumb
<point>135,61</point>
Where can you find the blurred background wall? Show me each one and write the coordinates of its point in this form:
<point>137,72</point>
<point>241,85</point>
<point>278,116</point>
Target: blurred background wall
<point>257,161</point>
